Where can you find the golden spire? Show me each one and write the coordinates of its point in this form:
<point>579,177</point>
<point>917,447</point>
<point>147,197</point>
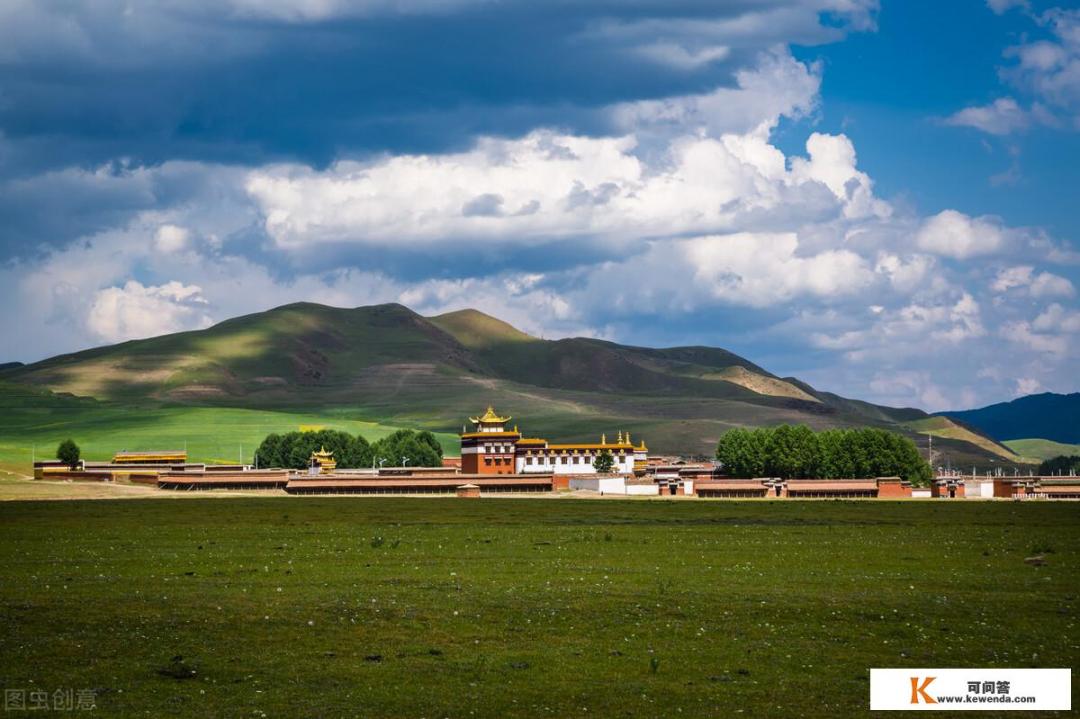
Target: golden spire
<point>489,417</point>
<point>620,437</point>
<point>603,439</point>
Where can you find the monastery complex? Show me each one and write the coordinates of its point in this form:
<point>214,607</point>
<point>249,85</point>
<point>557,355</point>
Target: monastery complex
<point>496,458</point>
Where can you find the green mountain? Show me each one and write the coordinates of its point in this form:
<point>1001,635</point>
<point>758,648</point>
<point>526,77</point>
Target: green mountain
<point>1055,417</point>
<point>386,363</point>
<point>1040,449</point>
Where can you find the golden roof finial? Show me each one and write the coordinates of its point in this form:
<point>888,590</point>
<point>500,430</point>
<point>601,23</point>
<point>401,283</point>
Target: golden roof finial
<point>603,439</point>
<point>628,438</point>
<point>489,417</point>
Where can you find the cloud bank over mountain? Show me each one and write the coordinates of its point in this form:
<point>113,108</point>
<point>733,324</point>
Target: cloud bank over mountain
<point>591,169</point>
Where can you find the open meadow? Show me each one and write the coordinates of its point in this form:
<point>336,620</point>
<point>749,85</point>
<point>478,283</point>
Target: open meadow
<point>33,423</point>
<point>386,607</point>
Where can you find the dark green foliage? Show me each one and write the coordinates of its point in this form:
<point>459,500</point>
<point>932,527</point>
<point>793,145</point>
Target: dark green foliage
<point>797,452</point>
<point>1062,464</point>
<point>604,462</point>
<point>407,447</point>
<point>68,453</point>
<point>293,450</point>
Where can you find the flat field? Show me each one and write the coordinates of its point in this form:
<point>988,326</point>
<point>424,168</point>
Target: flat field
<point>33,423</point>
<point>389,607</point>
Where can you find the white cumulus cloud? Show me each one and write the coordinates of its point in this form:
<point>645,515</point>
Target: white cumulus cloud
<point>954,234</point>
<point>135,311</point>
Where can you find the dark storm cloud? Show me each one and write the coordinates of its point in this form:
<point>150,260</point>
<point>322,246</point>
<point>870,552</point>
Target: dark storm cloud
<point>169,81</point>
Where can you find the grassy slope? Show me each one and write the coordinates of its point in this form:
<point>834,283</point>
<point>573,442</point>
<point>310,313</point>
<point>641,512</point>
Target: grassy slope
<point>390,365</point>
<point>1040,449</point>
<point>519,608</point>
<point>948,428</point>
<point>35,421</point>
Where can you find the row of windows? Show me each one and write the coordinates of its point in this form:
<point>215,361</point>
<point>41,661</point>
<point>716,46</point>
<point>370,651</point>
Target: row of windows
<point>501,449</point>
<point>562,460</point>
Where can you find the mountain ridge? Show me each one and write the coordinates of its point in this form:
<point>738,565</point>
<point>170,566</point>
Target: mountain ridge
<point>389,362</point>
<point>1047,415</point>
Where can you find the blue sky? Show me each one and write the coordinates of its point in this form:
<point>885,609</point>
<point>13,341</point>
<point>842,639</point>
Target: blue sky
<point>876,198</point>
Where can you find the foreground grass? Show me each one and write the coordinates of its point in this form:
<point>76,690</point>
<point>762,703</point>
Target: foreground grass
<point>445,607</point>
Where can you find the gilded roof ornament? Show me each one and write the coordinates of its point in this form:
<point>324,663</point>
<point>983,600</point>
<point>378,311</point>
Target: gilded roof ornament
<point>490,417</point>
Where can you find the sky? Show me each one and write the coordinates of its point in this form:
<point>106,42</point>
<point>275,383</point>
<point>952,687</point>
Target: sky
<point>876,197</point>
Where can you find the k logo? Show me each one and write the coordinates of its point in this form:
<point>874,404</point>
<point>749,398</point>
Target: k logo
<point>918,690</point>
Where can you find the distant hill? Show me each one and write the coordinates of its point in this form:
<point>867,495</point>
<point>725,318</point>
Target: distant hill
<point>10,365</point>
<point>947,427</point>
<point>1046,416</point>
<point>390,364</point>
<point>1040,449</point>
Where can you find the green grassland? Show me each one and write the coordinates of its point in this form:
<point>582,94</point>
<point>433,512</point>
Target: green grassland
<point>1039,449</point>
<point>33,422</point>
<point>383,607</point>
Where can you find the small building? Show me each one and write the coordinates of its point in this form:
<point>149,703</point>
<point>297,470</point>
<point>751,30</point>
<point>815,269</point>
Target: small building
<point>171,456</point>
<point>950,487</point>
<point>1058,487</point>
<point>469,491</point>
<point>978,488</point>
<point>196,481</point>
<point>893,488</point>
<point>831,488</point>
<point>732,488</point>
<point>422,484</point>
<point>601,483</point>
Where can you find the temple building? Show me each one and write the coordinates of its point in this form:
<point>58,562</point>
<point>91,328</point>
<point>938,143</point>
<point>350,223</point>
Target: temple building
<point>491,448</point>
<point>324,461</point>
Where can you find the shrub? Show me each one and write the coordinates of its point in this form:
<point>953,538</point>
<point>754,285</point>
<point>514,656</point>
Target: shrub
<point>69,453</point>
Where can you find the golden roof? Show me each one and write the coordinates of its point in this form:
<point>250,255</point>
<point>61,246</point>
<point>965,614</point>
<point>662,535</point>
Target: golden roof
<point>490,416</point>
<point>322,454</point>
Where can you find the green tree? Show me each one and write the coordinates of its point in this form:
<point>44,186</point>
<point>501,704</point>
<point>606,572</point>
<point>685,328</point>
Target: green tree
<point>407,447</point>
<point>791,452</point>
<point>798,452</point>
<point>69,453</point>
<point>1062,464</point>
<point>293,450</point>
<point>604,462</point>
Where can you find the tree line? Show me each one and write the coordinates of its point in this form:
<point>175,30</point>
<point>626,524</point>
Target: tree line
<point>797,452</point>
<point>1062,464</point>
<point>293,450</point>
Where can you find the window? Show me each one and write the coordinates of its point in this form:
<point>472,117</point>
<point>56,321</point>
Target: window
<point>577,460</point>
<point>528,460</point>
